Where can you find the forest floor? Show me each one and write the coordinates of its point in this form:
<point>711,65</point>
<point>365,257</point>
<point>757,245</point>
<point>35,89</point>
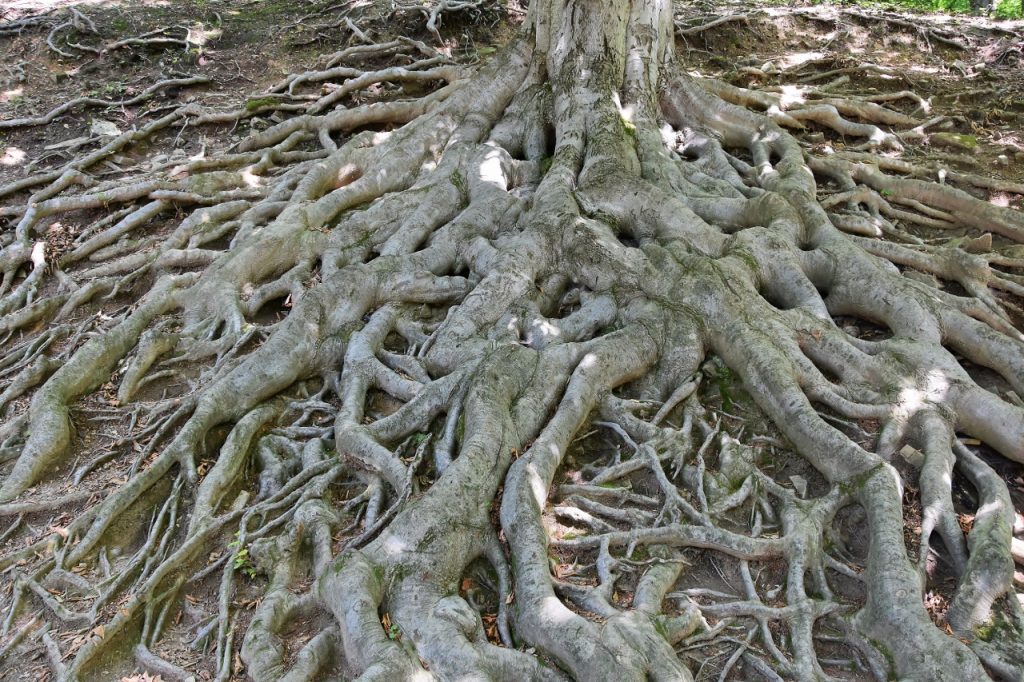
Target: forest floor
<point>243,48</point>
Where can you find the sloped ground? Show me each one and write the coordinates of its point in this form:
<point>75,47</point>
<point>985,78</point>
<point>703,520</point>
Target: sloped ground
<point>966,69</point>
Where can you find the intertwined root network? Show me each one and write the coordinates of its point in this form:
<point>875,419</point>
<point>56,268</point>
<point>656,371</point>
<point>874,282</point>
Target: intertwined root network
<point>397,316</point>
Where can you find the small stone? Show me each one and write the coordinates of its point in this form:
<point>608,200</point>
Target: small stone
<point>1003,160</point>
<point>104,128</point>
<point>913,456</point>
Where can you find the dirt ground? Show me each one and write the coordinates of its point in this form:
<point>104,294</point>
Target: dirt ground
<point>244,47</point>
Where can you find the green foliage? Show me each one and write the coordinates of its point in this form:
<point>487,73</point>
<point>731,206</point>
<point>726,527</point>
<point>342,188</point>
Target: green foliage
<point>1002,9</point>
<point>1009,9</point>
<point>241,561</point>
<point>723,377</point>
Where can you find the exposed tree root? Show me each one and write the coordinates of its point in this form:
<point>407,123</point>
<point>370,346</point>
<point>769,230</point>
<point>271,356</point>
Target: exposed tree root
<point>397,317</point>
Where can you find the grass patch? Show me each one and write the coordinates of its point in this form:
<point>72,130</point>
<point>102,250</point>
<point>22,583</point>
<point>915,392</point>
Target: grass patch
<point>1001,9</point>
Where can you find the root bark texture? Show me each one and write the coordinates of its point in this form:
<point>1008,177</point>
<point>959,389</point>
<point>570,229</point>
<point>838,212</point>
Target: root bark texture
<point>398,322</point>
